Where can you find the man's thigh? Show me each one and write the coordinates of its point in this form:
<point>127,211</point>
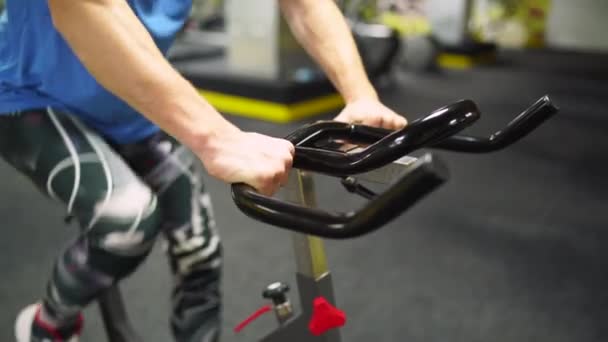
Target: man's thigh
<point>176,176</point>
<point>73,164</point>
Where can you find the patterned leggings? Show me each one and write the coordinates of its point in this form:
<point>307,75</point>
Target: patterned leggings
<point>123,197</point>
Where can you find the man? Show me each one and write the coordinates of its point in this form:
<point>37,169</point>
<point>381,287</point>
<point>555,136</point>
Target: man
<point>97,118</point>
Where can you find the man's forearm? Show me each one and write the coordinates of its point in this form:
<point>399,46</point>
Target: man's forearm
<point>321,28</point>
<point>117,50</point>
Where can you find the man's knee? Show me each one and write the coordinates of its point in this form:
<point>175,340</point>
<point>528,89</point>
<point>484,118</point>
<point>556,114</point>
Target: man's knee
<point>127,227</point>
<point>191,250</point>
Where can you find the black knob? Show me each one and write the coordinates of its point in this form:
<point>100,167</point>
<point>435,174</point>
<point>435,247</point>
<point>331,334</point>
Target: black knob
<point>277,292</point>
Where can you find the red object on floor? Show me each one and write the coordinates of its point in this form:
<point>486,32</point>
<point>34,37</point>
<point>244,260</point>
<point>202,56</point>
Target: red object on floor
<point>325,317</point>
<point>253,317</point>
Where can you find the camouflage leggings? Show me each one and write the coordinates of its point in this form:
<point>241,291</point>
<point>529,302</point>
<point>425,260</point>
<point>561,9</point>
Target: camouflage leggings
<point>123,197</point>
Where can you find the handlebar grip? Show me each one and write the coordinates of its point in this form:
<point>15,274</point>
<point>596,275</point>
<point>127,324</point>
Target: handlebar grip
<point>446,120</point>
<point>425,131</point>
<point>515,130</point>
<point>423,177</point>
<point>309,135</point>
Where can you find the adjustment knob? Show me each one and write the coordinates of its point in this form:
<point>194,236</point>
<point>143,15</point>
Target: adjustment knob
<point>277,292</point>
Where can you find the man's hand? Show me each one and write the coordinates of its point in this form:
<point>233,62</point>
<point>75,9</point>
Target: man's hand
<point>254,159</point>
<point>371,112</point>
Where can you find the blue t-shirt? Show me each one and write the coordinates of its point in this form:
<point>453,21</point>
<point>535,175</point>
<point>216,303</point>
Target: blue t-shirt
<point>38,68</point>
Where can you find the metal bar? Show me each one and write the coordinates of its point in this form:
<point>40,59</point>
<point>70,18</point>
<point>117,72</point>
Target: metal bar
<point>310,255</point>
<point>313,276</point>
<point>115,317</point>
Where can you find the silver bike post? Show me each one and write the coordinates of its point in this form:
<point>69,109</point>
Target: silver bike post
<point>115,318</point>
<point>312,272</point>
<point>312,275</point>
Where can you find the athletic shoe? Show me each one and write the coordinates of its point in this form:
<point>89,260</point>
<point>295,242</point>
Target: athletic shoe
<point>30,328</point>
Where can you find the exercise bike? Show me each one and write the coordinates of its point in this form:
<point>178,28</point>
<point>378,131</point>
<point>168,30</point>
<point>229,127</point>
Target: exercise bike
<point>384,160</point>
<point>351,153</point>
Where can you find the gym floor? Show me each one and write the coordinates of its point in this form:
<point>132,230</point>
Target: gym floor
<point>510,249</point>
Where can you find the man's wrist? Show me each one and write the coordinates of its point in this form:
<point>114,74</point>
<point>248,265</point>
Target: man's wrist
<point>193,120</point>
<point>206,136</point>
<point>365,92</point>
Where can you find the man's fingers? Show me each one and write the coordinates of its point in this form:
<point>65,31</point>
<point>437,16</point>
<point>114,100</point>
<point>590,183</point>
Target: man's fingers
<point>400,121</point>
<point>289,146</point>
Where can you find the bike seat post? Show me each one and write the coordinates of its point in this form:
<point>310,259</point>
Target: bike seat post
<point>309,251</point>
<point>312,271</point>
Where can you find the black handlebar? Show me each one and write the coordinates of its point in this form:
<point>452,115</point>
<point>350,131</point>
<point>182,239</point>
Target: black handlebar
<point>522,125</point>
<point>383,150</point>
<point>518,128</point>
<point>422,178</point>
<point>436,130</point>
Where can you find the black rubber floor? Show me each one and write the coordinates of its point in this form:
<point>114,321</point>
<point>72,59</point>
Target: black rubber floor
<point>511,249</point>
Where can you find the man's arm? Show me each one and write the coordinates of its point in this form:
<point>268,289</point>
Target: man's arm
<point>119,53</point>
<point>117,50</point>
<point>322,30</point>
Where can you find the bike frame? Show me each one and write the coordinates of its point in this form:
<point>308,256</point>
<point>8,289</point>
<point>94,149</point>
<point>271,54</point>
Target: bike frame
<point>437,130</point>
<point>313,276</point>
